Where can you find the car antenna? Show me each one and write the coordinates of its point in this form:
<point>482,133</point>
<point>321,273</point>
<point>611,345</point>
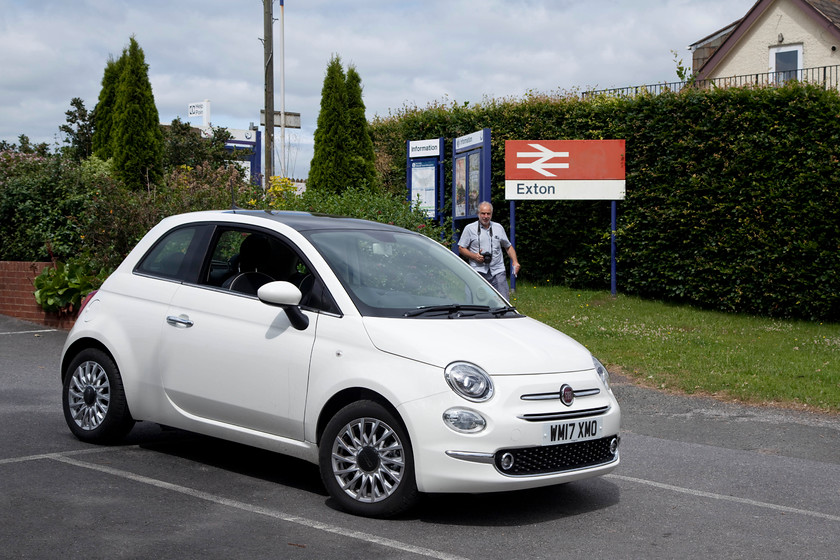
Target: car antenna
<point>233,205</point>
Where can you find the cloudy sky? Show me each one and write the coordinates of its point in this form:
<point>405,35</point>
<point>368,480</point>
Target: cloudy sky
<point>407,52</point>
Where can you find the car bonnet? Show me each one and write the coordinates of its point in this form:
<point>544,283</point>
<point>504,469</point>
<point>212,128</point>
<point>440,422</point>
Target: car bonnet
<point>500,346</point>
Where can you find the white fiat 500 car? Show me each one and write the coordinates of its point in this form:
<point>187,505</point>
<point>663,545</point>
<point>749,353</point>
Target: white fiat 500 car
<point>371,351</point>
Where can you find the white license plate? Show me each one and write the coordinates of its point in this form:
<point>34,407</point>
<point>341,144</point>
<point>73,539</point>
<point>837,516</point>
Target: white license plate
<point>573,430</point>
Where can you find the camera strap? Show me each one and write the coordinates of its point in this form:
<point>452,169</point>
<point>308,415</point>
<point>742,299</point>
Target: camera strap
<point>489,235</point>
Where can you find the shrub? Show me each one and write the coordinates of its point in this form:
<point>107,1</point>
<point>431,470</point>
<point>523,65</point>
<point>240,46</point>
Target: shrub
<point>119,216</point>
<point>41,198</point>
<point>62,287</point>
<point>357,202</point>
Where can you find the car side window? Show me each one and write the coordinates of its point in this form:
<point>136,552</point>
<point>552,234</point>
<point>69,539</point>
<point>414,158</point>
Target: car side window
<point>168,257</point>
<point>224,260</point>
<point>242,260</point>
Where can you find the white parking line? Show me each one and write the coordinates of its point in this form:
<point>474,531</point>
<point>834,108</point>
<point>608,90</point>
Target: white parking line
<point>11,460</point>
<point>366,537</point>
<point>29,332</point>
<point>735,499</point>
<point>67,458</point>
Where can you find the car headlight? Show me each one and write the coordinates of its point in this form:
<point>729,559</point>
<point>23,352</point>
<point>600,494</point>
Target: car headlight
<point>469,381</point>
<point>602,372</point>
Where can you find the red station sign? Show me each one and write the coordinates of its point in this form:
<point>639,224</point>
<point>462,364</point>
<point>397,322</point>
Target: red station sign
<point>564,170</point>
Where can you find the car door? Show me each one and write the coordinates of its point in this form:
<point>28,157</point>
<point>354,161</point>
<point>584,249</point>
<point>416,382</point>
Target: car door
<point>227,357</point>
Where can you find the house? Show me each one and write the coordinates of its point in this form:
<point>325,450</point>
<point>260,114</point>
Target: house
<point>778,37</point>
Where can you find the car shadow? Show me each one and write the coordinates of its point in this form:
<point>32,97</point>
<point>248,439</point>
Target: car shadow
<point>229,456</point>
<point>502,509</point>
<point>512,509</point>
<point>519,507</point>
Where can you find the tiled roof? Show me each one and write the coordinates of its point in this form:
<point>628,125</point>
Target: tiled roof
<point>828,8</point>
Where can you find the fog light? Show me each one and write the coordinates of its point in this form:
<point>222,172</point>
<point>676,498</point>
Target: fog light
<point>464,420</point>
<point>614,444</point>
<point>507,462</point>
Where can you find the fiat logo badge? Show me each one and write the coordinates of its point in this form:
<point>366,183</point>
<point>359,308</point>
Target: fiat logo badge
<point>567,395</point>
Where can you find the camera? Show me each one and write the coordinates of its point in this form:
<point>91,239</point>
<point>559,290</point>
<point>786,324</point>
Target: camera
<point>487,257</point>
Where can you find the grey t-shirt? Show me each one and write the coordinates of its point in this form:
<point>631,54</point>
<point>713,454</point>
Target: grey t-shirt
<point>493,238</point>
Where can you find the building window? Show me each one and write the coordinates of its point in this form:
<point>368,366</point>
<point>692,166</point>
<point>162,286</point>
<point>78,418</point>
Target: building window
<point>785,63</point>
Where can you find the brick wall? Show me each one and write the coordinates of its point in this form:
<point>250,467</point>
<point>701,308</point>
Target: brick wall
<point>16,294</point>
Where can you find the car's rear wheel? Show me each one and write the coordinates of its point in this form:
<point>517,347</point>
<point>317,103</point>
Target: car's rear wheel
<point>95,407</point>
<point>366,460</point>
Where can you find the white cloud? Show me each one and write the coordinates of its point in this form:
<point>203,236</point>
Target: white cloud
<point>407,52</point>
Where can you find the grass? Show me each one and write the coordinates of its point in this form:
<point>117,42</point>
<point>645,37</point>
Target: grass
<point>756,360</point>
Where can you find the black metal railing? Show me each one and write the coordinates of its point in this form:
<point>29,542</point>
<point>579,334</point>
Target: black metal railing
<point>825,76</point>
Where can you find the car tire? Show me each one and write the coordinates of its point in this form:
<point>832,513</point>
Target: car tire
<point>93,399</point>
<point>366,461</point>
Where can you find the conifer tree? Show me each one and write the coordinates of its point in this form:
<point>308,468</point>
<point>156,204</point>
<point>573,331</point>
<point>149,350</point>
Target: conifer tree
<point>328,170</point>
<point>360,152</point>
<point>136,137</point>
<point>104,110</point>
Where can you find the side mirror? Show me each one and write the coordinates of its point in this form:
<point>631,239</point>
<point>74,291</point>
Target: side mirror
<point>287,296</point>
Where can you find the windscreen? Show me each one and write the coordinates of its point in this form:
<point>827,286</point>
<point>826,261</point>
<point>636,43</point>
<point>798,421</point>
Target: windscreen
<point>393,274</point>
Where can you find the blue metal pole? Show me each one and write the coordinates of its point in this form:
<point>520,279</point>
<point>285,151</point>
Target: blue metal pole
<point>440,188</point>
<point>512,240</point>
<point>612,250</point>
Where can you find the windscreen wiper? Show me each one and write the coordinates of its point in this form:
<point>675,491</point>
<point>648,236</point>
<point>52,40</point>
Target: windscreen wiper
<point>453,309</point>
<point>499,311</point>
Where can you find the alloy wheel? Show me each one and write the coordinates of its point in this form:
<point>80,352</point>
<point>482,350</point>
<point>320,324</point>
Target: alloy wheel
<point>89,395</point>
<point>368,460</point>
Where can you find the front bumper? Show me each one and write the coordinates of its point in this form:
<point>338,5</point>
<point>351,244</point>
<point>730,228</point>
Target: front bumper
<point>547,459</point>
<point>511,453</point>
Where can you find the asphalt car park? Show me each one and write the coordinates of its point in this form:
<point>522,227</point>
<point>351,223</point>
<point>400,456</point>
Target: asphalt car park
<point>698,478</point>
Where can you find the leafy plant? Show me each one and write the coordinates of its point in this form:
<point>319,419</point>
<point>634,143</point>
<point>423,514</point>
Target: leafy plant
<point>62,287</point>
<point>41,198</point>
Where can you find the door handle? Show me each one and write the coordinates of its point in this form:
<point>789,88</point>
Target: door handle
<point>179,321</point>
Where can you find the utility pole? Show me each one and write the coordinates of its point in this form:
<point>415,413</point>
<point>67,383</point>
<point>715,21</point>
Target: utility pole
<point>268,49</point>
<point>282,94</point>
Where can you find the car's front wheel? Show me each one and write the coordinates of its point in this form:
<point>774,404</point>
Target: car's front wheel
<point>366,461</point>
<point>95,407</point>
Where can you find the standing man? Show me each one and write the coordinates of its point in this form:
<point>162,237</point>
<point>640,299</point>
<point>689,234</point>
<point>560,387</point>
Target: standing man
<point>482,244</point>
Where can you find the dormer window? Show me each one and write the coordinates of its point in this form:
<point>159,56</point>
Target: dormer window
<point>784,62</point>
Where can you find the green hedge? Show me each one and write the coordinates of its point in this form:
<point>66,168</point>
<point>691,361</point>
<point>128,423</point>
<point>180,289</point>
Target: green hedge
<point>40,200</point>
<point>732,198</point>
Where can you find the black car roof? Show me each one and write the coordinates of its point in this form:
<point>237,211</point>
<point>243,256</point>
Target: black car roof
<point>306,221</point>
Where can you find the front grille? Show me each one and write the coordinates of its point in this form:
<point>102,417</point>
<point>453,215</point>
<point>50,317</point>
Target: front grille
<point>565,414</point>
<point>548,459</point>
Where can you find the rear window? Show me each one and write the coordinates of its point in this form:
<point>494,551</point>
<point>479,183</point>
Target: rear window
<point>167,258</point>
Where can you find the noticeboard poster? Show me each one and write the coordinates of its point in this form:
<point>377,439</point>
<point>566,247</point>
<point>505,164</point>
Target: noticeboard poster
<point>470,173</point>
<point>424,175</point>
<point>460,187</point>
<point>467,185</point>
<point>474,184</point>
<point>423,185</point>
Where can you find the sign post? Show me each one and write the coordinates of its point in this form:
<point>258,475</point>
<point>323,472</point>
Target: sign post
<point>567,170</point>
<point>200,109</point>
<point>424,175</point>
<point>470,174</point>
<point>564,169</point>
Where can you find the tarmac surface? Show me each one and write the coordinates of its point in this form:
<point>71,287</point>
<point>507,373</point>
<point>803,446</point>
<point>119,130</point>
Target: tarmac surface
<point>699,478</point>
